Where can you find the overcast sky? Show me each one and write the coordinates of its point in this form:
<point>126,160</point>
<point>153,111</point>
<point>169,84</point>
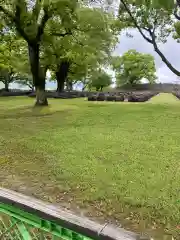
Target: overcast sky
<point>171,50</point>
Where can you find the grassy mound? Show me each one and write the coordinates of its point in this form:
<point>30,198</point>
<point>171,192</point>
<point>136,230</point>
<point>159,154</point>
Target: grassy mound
<point>164,98</point>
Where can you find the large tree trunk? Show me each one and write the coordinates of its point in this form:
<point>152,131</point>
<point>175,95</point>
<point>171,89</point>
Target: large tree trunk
<point>60,82</point>
<point>7,80</point>
<point>41,99</point>
<point>61,75</point>
<point>6,86</point>
<point>38,74</point>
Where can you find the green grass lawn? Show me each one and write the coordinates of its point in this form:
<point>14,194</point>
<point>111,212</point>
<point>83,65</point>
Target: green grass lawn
<point>115,161</point>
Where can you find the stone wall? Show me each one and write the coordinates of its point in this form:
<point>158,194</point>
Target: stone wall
<point>161,87</point>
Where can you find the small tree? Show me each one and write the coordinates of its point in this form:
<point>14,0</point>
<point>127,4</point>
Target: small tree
<point>9,57</point>
<point>133,66</point>
<point>100,79</point>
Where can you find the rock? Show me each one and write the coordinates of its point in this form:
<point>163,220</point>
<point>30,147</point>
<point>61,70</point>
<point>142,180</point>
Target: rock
<point>91,98</point>
<point>140,96</point>
<point>111,98</point>
<point>100,97</point>
<point>119,98</point>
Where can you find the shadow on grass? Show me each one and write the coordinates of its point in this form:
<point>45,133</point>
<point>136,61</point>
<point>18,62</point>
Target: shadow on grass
<point>29,111</point>
<point>97,105</point>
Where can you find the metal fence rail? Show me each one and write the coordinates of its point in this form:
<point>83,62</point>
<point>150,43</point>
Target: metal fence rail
<point>25,218</point>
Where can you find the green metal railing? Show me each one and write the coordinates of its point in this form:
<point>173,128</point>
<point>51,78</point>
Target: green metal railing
<point>25,218</point>
<point>17,224</point>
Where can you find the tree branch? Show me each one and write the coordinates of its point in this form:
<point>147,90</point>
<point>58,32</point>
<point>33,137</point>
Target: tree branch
<point>152,41</point>
<point>164,59</point>
<point>42,25</point>
<point>31,86</point>
<point>16,20</point>
<point>80,43</point>
<point>178,2</point>
<point>135,22</point>
<point>176,11</point>
<point>36,9</point>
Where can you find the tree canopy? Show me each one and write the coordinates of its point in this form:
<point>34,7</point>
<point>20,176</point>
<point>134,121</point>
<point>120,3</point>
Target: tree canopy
<point>100,79</point>
<point>75,56</point>
<point>12,58</point>
<point>59,32</point>
<point>74,39</point>
<point>133,66</point>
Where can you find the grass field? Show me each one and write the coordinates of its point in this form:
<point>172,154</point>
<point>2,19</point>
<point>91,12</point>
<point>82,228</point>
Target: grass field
<point>115,161</point>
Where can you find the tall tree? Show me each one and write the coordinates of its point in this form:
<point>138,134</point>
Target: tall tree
<point>151,20</point>
<point>72,57</point>
<point>133,66</point>
<point>30,19</point>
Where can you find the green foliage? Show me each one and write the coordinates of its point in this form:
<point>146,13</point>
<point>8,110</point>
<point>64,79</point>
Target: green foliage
<point>9,57</point>
<point>89,45</point>
<point>100,79</point>
<point>30,17</point>
<point>133,66</point>
<point>147,17</point>
<point>14,65</point>
<point>176,32</point>
<point>66,30</point>
<point>166,4</point>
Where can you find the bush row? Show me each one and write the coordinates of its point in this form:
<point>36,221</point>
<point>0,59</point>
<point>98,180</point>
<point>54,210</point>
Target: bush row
<point>62,95</point>
<point>92,96</point>
<point>50,94</point>
<point>13,93</point>
<point>121,97</point>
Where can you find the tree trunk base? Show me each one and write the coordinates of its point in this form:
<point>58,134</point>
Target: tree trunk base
<point>40,104</point>
<point>41,98</point>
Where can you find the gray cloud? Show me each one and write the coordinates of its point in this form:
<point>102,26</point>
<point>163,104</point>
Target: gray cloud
<point>171,50</point>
